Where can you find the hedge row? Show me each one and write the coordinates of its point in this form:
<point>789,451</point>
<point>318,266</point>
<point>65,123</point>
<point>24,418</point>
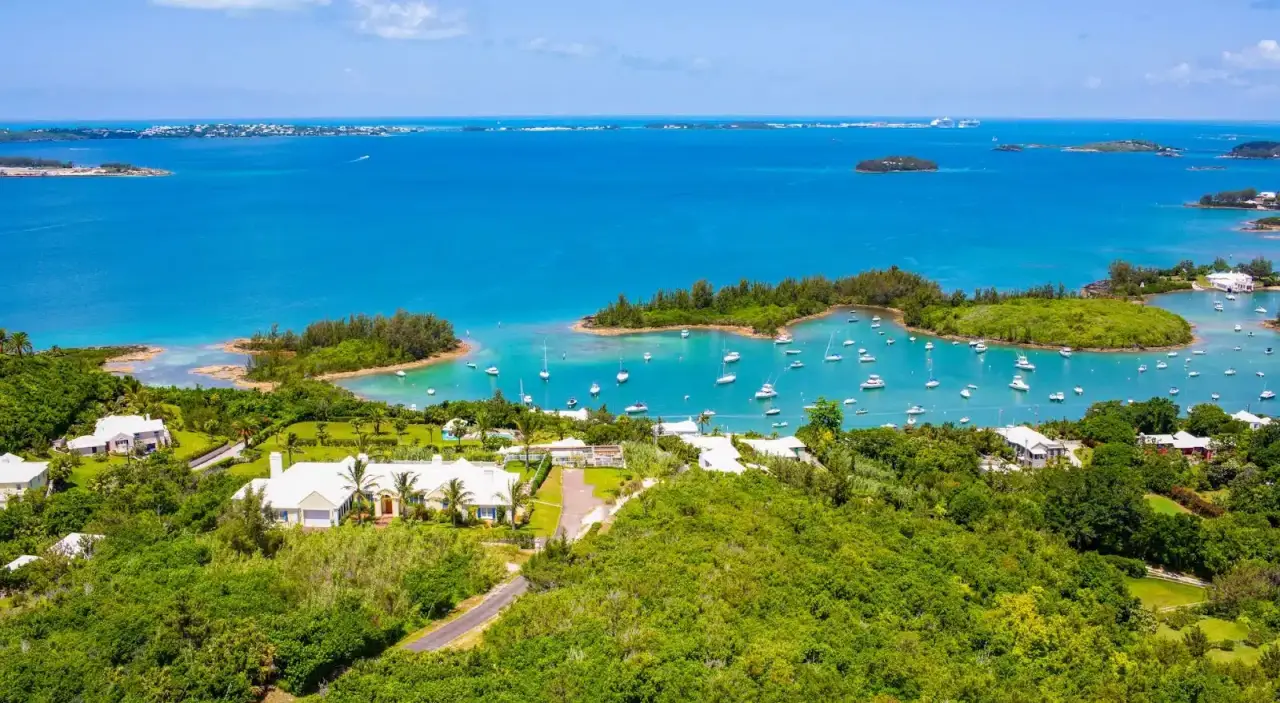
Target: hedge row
<point>1196,503</point>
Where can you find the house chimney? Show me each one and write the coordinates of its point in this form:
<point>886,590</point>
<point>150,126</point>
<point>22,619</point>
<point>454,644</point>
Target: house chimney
<point>277,465</point>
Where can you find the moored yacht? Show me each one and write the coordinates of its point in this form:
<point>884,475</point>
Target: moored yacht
<point>980,347</point>
<point>725,378</point>
<point>492,370</point>
<point>915,410</point>
<point>732,357</point>
<point>791,351</point>
<point>1142,368</point>
<point>1231,296</point>
<point>932,383</point>
<point>797,364</point>
<point>772,411</point>
<point>1217,305</point>
<point>572,403</point>
<point>848,342</point>
<point>623,374</point>
<point>1024,363</point>
<point>647,356</point>
<point>1193,374</point>
<point>639,407</point>
<point>471,364</point>
<point>431,391</point>
<point>928,346</point>
<point>873,381</point>
<point>684,334</point>
<point>780,424</point>
<point>766,391</point>
<point>1237,328</point>
<point>1214,396</point>
<point>1266,395</point>
<point>595,389</point>
<point>1161,365</point>
<point>401,374</point>
<point>964,393</point>
<point>1018,384</point>
<point>1065,352</point>
<point>865,358</point>
<point>1173,390</point>
<point>1057,397</point>
<point>1078,390</point>
<point>850,401</point>
<point>1230,372</point>
<point>545,373</point>
<point>828,355</point>
<point>1260,310</point>
<point>783,338</point>
<point>964,420</point>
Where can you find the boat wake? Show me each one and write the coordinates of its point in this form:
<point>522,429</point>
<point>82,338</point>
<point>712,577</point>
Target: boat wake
<point>362,158</point>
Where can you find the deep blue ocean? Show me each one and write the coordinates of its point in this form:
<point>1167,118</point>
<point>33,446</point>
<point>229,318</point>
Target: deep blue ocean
<point>513,235</point>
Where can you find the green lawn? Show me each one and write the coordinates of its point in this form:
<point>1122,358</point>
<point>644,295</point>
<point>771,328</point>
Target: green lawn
<point>1159,593</point>
<point>1083,323</point>
<point>192,445</point>
<point>1242,653</point>
<point>546,512</point>
<point>425,434</point>
<point>1217,629</point>
<point>1164,506</point>
<point>605,483</point>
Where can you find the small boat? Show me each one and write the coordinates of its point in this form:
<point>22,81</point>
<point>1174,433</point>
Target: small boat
<point>527,399</point>
<point>928,346</point>
<point>972,386</point>
<point>783,338</point>
<point>1193,374</point>
<point>772,411</point>
<point>732,357</point>
<point>875,325</point>
<point>915,410</point>
<point>471,364</point>
<point>1018,384</point>
<point>890,341</point>
<point>1173,390</point>
<point>1217,305</point>
<point>1057,397</point>
<point>1235,348</point>
<point>1214,396</point>
<point>873,382</point>
<point>860,411</point>
<point>400,374</point>
<point>1142,368</point>
<point>850,401</point>
<point>1065,352</point>
<point>1078,390</point>
<point>1260,310</point>
<point>623,374</point>
<point>1236,328</point>
<point>810,407</point>
<point>544,374</point>
<point>862,351</point>
<point>1171,354</point>
<point>766,391</point>
<point>848,342</point>
<point>1161,365</point>
<point>1024,363</point>
<point>637,408</point>
<point>725,378</point>
<point>852,318</point>
<point>865,358</point>
<point>964,420</point>
<point>1230,372</point>
<point>1231,296</point>
<point>573,402</point>
<point>932,383</point>
<point>911,422</point>
<point>780,424</point>
<point>791,351</point>
<point>1260,374</point>
<point>911,339</point>
<point>1198,352</point>
<point>492,370</point>
<point>973,342</point>
<point>684,334</point>
<point>828,356</point>
<point>1266,395</point>
<point>875,318</point>
<point>797,364</point>
<point>881,333</point>
<point>595,389</point>
<point>964,393</point>
<point>647,356</point>
<point>980,348</point>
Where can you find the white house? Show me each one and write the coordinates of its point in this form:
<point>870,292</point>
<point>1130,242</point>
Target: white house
<point>683,428</point>
<point>318,494</point>
<point>119,434</point>
<point>1180,441</point>
<point>580,414</point>
<point>717,453</point>
<point>76,544</point>
<point>20,562</point>
<point>785,447</point>
<point>1266,195</point>
<point>1231,281</point>
<point>1253,421</point>
<point>569,451</point>
<point>18,475</point>
<point>1032,448</point>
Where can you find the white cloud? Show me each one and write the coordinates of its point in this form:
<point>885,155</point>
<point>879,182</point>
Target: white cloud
<point>408,20</point>
<point>1265,54</point>
<point>577,50</point>
<point>1186,73</point>
<point>240,4</point>
<point>1093,82</point>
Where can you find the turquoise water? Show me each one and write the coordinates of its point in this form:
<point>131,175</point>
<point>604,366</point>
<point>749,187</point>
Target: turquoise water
<point>532,230</point>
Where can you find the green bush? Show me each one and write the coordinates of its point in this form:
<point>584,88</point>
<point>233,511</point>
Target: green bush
<point>1133,568</point>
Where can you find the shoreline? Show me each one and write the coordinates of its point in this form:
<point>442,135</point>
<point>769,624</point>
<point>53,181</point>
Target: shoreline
<point>79,172</point>
<point>236,373</point>
<point>581,327</point>
<point>123,364</point>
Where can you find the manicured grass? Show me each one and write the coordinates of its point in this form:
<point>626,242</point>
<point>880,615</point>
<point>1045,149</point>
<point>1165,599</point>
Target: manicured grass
<point>1164,506</point>
<point>605,483</point>
<point>1242,653</point>
<point>1083,323</point>
<point>425,434</point>
<point>1159,593</point>
<point>1218,629</point>
<point>546,511</point>
<point>193,444</point>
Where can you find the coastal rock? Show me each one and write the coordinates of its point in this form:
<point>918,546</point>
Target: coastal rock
<point>895,164</point>
<point>1255,150</point>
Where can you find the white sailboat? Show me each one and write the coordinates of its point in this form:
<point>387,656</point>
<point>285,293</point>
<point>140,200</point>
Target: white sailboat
<point>731,357</point>
<point>932,382</point>
<point>638,407</point>
<point>725,378</point>
<point>595,388</point>
<point>544,374</point>
<point>773,411</point>
<point>623,374</point>
<point>828,356</point>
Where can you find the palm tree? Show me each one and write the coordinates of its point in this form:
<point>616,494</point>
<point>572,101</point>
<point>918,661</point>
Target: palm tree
<point>357,424</point>
<point>322,432</point>
<point>4,341</point>
<point>703,420</point>
<point>516,498</point>
<point>526,424</point>
<point>291,445</point>
<point>483,423</point>
<point>20,343</point>
<point>401,425</point>
<point>458,428</point>
<point>358,481</point>
<point>378,416</point>
<point>362,443</point>
<point>456,499</point>
<point>402,484</point>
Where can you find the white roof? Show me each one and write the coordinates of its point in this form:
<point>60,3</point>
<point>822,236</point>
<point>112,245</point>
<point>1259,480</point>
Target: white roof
<point>15,469</point>
<point>328,479</point>
<point>579,414</point>
<point>721,460</point>
<point>1250,418</point>
<point>73,544</point>
<point>712,443</point>
<point>682,427</point>
<point>20,562</point>
<point>1230,276</point>
<point>114,427</point>
<point>783,446</point>
<point>1027,438</point>
<point>1177,440</point>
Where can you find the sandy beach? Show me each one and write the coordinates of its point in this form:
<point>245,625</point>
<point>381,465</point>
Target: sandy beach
<point>233,373</point>
<point>124,363</point>
<point>236,373</point>
<point>463,349</point>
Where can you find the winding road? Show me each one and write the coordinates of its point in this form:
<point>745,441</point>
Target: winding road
<point>488,609</point>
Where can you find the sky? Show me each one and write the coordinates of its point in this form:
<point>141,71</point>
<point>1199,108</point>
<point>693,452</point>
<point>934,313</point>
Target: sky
<point>152,59</point>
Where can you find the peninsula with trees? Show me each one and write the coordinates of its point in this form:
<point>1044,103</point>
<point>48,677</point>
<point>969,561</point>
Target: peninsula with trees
<point>1255,150</point>
<point>1041,316</point>
<point>1125,146</point>
<point>333,349</point>
<point>1266,224</point>
<point>1245,199</point>
<point>27,167</point>
<point>895,164</point>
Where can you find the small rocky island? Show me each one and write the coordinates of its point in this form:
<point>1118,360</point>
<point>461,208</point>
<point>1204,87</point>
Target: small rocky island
<point>1126,146</point>
<point>1266,224</point>
<point>1255,150</point>
<point>1247,199</point>
<point>895,164</point>
<point>1009,147</point>
<point>26,167</point>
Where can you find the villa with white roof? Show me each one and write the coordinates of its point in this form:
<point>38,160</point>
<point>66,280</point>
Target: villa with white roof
<point>119,434</point>
<point>1032,448</point>
<point>1231,281</point>
<point>17,475</point>
<point>319,494</point>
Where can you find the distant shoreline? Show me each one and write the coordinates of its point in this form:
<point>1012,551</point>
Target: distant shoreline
<point>123,364</point>
<point>236,373</point>
<point>79,172</point>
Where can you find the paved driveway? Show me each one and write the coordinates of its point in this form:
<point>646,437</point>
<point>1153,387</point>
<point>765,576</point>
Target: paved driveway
<point>226,453</point>
<point>578,502</point>
<point>498,598</point>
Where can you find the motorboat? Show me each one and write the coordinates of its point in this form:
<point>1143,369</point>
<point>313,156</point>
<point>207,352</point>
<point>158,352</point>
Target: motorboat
<point>1024,363</point>
<point>1198,352</point>
<point>890,341</point>
<point>573,403</point>
<point>972,386</point>
<point>964,420</point>
<point>595,389</point>
<point>400,374</point>
<point>1065,352</point>
<point>526,399</point>
<point>980,348</point>
<point>973,342</point>
<point>1193,374</point>
<point>1057,397</point>
<point>852,319</point>
<point>492,370</point>
<point>431,391</point>
<point>1214,396</point>
<point>684,334</point>
<point>862,351</point>
<point>1217,306</point>
<point>766,391</point>
<point>1161,365</point>
<point>545,374</point>
<point>1142,368</point>
<point>873,382</point>
<point>797,364</point>
<point>1171,354</point>
<point>875,325</point>
<point>1173,390</point>
<point>1231,296</point>
<point>1078,390</point>
<point>1018,384</point>
<point>471,364</point>
<point>732,357</point>
<point>1236,328</point>
<point>964,393</point>
<point>1230,372</point>
<point>647,356</point>
<point>791,351</point>
<point>1260,310</point>
<point>915,410</point>
<point>1266,395</point>
<point>865,358</point>
<point>860,411</point>
<point>780,424</point>
<point>848,343</point>
<point>911,339</point>
<point>881,333</point>
<point>932,383</point>
<point>1236,348</point>
<point>875,318</point>
<point>783,338</point>
<point>850,401</point>
<point>1260,374</point>
<point>637,408</point>
<point>772,411</point>
<point>928,346</point>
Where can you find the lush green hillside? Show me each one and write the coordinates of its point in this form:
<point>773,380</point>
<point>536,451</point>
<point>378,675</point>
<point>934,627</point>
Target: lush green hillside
<point>1082,323</point>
